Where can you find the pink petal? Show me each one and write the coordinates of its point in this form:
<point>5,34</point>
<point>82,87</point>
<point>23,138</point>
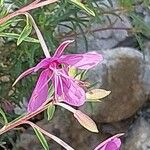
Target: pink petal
<point>114,139</point>
<point>117,141</point>
<point>112,145</point>
<point>82,61</point>
<point>67,89</point>
<point>60,87</point>
<point>43,64</point>
<point>29,71</point>
<point>56,85</point>
<point>73,93</point>
<point>61,48</point>
<point>39,94</point>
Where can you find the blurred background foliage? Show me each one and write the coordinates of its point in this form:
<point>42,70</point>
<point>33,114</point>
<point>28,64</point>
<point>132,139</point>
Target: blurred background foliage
<point>14,58</point>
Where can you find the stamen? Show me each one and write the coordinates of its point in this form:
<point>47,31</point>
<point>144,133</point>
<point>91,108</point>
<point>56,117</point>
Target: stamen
<point>61,86</point>
<point>56,84</point>
<point>70,78</point>
<point>54,70</point>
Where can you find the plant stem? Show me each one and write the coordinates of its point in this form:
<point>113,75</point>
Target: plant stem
<point>56,139</point>
<point>73,34</point>
<point>20,121</point>
<point>40,37</point>
<point>66,107</point>
<point>33,5</point>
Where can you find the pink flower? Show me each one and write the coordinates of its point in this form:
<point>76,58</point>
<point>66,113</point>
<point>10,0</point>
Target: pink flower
<point>113,143</point>
<point>56,69</point>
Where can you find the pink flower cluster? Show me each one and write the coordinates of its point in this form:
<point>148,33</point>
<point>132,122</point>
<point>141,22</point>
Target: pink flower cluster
<point>55,69</point>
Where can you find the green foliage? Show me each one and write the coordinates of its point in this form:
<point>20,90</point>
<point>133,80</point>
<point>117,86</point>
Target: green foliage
<point>7,24</point>
<point>127,4</point>
<point>17,36</point>
<point>139,24</point>
<point>4,116</point>
<point>3,10</point>
<point>50,112</point>
<point>1,2</point>
<point>82,6</point>
<point>41,138</point>
<point>26,31</point>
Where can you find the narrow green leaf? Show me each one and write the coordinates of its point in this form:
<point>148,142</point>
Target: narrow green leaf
<point>4,116</point>
<point>16,36</point>
<point>139,24</point>
<point>1,2</point>
<point>82,6</point>
<point>81,75</point>
<point>26,31</point>
<point>140,41</point>
<point>7,24</point>
<point>41,138</point>
<point>50,112</point>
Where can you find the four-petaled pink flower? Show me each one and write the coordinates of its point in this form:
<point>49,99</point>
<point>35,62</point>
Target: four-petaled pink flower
<point>56,69</point>
<point>113,143</point>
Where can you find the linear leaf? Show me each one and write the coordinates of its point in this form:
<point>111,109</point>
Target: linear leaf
<point>7,24</point>
<point>1,2</point>
<point>16,36</point>
<point>82,6</point>
<point>41,138</point>
<point>4,116</point>
<point>50,112</point>
<point>26,31</point>
<point>139,23</point>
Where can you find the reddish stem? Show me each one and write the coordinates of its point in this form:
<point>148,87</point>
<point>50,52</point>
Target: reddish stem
<point>56,139</point>
<point>12,124</point>
<point>29,7</point>
<point>96,30</point>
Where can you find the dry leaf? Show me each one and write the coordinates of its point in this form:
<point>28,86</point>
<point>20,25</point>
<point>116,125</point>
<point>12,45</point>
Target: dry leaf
<point>96,94</point>
<point>85,121</point>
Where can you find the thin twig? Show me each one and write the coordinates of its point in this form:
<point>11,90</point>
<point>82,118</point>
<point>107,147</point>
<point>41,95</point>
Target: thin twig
<point>72,34</point>
<point>56,139</point>
<point>40,37</point>
<point>14,124</point>
<point>33,5</point>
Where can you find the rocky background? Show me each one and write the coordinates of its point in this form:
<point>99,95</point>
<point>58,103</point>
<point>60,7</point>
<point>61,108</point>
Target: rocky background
<point>126,109</point>
<point>125,71</point>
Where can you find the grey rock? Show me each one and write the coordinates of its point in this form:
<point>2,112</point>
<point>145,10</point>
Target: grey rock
<point>122,73</point>
<point>101,38</point>
<point>147,66</point>
<point>116,127</point>
<point>138,138</point>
